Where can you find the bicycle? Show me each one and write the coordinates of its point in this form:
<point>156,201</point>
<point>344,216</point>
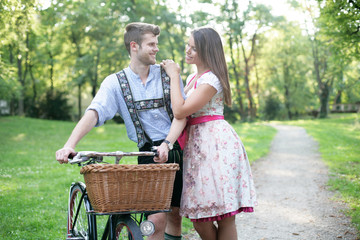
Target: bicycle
<point>120,224</point>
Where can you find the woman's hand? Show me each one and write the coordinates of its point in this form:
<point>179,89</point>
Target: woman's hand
<point>172,68</point>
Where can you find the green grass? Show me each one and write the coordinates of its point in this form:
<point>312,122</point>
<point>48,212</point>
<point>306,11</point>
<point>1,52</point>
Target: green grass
<point>256,138</point>
<point>34,187</point>
<point>339,144</point>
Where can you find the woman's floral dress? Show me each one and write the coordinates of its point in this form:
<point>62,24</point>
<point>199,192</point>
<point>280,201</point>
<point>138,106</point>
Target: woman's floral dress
<point>217,177</point>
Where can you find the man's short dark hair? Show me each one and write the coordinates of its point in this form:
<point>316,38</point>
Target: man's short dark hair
<point>134,32</point>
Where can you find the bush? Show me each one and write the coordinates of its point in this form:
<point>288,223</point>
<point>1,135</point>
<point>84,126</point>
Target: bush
<point>231,114</point>
<point>54,105</point>
<point>272,107</point>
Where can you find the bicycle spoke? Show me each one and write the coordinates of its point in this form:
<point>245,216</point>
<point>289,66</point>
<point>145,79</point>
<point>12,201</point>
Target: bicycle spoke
<point>77,217</point>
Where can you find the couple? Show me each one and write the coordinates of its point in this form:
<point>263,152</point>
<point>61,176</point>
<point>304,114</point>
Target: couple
<point>217,182</point>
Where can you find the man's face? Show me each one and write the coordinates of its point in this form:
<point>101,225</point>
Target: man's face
<point>148,49</point>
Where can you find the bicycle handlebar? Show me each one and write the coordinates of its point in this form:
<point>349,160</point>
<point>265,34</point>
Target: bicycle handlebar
<point>85,156</point>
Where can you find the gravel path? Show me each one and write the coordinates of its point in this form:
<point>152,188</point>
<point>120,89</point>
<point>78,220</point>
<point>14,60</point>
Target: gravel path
<point>293,199</point>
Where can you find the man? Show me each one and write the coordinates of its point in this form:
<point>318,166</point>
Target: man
<point>140,95</point>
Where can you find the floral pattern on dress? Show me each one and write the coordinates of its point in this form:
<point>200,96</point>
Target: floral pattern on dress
<point>217,177</point>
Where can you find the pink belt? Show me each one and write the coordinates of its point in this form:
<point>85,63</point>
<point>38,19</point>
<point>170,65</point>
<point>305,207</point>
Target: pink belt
<point>202,119</point>
<point>193,121</point>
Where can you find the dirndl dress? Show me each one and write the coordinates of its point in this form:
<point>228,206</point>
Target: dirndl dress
<point>217,178</point>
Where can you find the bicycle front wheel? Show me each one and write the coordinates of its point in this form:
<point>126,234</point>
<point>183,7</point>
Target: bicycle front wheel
<point>126,228</point>
<point>78,220</point>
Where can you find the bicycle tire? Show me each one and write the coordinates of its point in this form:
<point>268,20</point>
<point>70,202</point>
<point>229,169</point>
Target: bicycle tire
<point>79,230</point>
<point>127,228</point>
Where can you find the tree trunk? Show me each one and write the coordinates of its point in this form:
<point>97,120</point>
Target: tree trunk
<point>251,112</point>
<point>22,76</point>
<point>79,101</point>
<point>251,108</point>
<point>237,80</point>
<point>51,72</point>
<point>11,60</point>
<point>22,84</point>
<point>337,99</point>
<point>340,79</point>
<point>33,81</point>
<point>257,87</point>
<point>94,85</point>
<point>11,55</point>
<point>324,102</point>
<point>287,84</point>
<point>323,86</point>
<point>80,55</point>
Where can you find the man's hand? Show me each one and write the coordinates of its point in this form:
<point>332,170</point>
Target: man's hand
<point>62,155</point>
<point>163,151</point>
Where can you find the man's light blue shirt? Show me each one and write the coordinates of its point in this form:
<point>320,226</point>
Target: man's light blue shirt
<point>109,100</point>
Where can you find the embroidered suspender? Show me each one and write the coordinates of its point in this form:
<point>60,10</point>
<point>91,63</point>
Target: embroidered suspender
<point>165,79</point>
<point>135,106</point>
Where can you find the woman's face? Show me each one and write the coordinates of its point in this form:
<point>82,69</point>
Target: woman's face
<point>191,54</point>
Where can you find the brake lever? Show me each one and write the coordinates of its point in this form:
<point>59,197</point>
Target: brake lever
<point>154,150</point>
<point>77,158</point>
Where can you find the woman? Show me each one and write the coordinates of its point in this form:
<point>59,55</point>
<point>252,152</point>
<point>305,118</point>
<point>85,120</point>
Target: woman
<point>217,180</point>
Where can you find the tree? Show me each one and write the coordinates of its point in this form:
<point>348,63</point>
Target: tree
<point>244,28</point>
<point>340,26</point>
<point>230,16</point>
<point>19,26</point>
<point>92,40</point>
<point>320,56</point>
<point>61,52</point>
<point>9,86</point>
<point>330,52</point>
<point>340,22</point>
<point>285,71</point>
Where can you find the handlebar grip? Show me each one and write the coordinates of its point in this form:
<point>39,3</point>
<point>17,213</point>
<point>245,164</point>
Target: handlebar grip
<point>72,155</point>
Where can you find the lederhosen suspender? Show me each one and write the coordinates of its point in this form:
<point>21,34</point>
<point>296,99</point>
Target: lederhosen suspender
<point>135,106</point>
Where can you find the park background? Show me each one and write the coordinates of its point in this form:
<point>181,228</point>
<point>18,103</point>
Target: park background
<point>299,64</point>
<point>54,55</point>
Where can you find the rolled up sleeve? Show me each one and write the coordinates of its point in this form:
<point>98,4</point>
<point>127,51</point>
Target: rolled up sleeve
<point>105,102</point>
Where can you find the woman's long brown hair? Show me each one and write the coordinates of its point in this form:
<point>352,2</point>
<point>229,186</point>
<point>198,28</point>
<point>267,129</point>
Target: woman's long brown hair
<point>210,51</point>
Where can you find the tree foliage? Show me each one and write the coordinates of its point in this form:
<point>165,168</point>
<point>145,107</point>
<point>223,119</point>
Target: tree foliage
<point>286,68</point>
<point>340,20</point>
<point>71,46</point>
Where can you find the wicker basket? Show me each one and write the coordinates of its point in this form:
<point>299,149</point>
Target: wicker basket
<point>123,188</point>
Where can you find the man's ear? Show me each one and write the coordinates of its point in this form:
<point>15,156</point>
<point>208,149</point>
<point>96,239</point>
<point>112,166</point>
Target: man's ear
<point>134,46</point>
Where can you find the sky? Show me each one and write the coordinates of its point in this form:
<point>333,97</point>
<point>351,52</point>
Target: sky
<point>280,7</point>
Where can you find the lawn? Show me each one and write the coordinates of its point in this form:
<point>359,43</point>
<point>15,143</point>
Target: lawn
<point>339,144</point>
<point>34,187</point>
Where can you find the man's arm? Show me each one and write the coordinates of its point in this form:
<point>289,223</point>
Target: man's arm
<point>86,123</point>
<point>176,129</point>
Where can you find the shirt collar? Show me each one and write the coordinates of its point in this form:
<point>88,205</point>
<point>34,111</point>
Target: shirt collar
<point>137,77</point>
